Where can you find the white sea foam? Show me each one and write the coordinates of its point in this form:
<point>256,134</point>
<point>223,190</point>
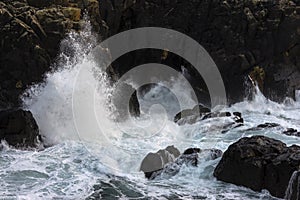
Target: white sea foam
<point>70,168</point>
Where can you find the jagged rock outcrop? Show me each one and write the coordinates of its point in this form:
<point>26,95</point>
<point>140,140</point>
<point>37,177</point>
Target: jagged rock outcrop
<point>259,163</point>
<point>241,37</point>
<point>154,162</point>
<point>19,129</point>
<point>31,32</point>
<point>268,125</point>
<point>291,132</point>
<point>192,114</point>
<point>167,162</point>
<point>200,113</point>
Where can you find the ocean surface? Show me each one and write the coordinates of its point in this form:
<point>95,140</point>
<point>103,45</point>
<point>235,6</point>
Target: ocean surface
<point>103,160</point>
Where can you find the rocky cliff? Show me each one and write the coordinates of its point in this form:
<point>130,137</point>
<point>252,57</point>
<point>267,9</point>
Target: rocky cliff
<point>243,38</point>
<point>260,38</point>
<point>30,35</point>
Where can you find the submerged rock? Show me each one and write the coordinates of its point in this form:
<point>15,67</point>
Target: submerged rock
<point>285,131</point>
<point>268,125</point>
<point>259,163</point>
<point>291,132</point>
<point>166,167</point>
<point>191,115</point>
<point>18,128</point>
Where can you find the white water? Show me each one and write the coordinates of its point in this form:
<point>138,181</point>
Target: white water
<point>77,162</point>
<point>293,183</point>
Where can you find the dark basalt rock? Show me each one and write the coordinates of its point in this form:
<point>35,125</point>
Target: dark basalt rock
<point>239,35</point>
<point>30,36</point>
<point>154,162</point>
<point>164,166</point>
<point>190,117</point>
<point>268,125</point>
<point>216,114</point>
<point>192,114</point>
<point>191,151</point>
<point>259,163</point>
<point>125,107</point>
<point>19,129</point>
<point>291,132</point>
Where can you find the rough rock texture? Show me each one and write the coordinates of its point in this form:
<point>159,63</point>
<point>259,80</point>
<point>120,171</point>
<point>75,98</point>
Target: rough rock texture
<point>277,127</point>
<point>156,161</point>
<point>291,132</point>
<point>199,112</point>
<point>191,114</point>
<point>167,162</point>
<point>241,36</point>
<point>293,190</point>
<point>30,35</point>
<point>18,128</point>
<point>259,163</point>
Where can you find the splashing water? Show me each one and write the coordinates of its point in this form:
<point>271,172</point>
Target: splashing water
<point>294,183</point>
<point>107,165</point>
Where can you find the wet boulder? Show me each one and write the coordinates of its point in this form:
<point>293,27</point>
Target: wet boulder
<point>19,129</point>
<point>268,125</point>
<point>190,116</point>
<point>291,132</point>
<point>162,169</point>
<point>278,127</point>
<point>259,163</point>
<point>197,114</point>
<point>154,162</point>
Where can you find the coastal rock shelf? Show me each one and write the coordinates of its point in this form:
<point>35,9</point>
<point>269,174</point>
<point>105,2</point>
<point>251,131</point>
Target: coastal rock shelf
<point>19,129</point>
<point>259,163</point>
<point>30,36</point>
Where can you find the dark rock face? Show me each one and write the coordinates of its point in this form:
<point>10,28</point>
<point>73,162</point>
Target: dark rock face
<point>192,114</point>
<point>293,190</point>
<point>125,107</point>
<point>268,125</point>
<point>259,163</point>
<point>291,132</point>
<point>154,162</point>
<point>18,128</point>
<point>239,35</point>
<point>162,165</point>
<point>285,131</point>
<point>30,34</point>
<point>199,112</point>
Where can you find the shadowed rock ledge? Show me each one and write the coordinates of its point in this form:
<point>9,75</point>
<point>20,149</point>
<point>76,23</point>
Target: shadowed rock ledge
<point>19,129</point>
<point>259,163</point>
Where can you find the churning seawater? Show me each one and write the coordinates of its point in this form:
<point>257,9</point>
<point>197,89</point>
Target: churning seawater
<point>104,162</point>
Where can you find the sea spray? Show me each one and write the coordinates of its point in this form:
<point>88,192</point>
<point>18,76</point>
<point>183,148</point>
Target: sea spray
<point>51,101</point>
<point>293,189</point>
<point>71,168</point>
